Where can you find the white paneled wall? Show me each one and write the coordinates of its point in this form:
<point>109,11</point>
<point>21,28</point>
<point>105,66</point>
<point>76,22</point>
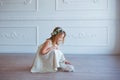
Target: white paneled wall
<point>91,25</point>
<point>18,5</point>
<point>81,4</point>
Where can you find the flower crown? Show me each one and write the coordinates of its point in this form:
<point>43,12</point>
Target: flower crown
<point>56,31</point>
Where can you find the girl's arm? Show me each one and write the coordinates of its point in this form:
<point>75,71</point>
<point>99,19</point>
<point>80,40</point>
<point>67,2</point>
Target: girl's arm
<point>46,47</point>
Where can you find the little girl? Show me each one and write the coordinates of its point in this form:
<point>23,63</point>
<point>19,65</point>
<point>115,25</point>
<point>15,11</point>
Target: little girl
<point>49,58</point>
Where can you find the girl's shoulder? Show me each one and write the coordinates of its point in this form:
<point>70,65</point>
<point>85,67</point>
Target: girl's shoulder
<point>48,41</point>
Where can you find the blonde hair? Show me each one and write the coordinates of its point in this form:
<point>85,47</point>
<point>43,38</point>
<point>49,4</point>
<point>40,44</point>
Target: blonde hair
<point>56,31</point>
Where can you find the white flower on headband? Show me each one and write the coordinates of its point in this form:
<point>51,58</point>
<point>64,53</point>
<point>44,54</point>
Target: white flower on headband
<point>56,31</point>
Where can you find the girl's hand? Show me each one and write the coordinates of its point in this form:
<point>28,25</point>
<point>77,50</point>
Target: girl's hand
<point>53,47</point>
<point>67,62</point>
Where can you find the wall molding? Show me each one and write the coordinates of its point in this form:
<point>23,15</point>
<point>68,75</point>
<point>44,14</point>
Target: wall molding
<point>49,19</point>
<point>87,36</point>
<point>17,36</point>
<point>78,5</point>
<point>18,5</point>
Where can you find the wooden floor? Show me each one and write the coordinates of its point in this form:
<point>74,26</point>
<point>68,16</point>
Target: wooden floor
<point>87,67</point>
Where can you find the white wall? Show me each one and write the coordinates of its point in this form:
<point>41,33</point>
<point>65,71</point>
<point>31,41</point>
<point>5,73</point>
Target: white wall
<point>91,25</point>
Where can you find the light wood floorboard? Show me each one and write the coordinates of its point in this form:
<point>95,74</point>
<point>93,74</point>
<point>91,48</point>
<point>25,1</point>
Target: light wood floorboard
<point>87,67</point>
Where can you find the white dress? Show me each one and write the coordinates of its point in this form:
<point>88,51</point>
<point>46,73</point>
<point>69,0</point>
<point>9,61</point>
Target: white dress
<point>50,62</point>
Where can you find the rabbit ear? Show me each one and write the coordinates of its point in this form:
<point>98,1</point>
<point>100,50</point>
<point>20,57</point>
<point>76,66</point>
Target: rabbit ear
<point>67,67</point>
